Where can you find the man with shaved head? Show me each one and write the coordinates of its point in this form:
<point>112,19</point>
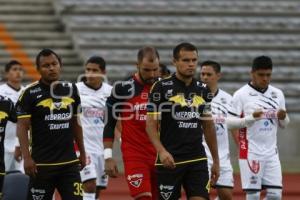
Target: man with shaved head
<point>128,103</point>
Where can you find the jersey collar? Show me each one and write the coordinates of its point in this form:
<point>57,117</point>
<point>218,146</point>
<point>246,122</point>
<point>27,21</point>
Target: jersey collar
<point>183,83</point>
<point>95,89</point>
<point>12,87</point>
<point>257,89</point>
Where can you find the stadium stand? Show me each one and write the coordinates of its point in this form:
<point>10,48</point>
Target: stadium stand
<point>26,26</point>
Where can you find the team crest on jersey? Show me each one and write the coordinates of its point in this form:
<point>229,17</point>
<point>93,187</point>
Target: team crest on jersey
<point>167,83</point>
<point>135,180</point>
<point>3,115</point>
<point>194,102</point>
<point>254,166</point>
<point>49,103</point>
<point>274,95</point>
<point>223,101</point>
<point>253,94</point>
<point>166,191</point>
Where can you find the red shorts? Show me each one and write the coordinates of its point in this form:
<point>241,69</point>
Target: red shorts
<point>141,178</point>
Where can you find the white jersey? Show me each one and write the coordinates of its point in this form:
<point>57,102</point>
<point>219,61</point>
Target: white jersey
<point>260,138</point>
<point>92,118</point>
<point>220,105</point>
<point>10,133</point>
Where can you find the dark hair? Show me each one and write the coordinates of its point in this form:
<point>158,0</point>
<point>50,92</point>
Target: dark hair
<point>145,51</point>
<point>11,63</point>
<point>46,52</point>
<point>262,62</point>
<point>183,46</point>
<point>97,60</point>
<point>164,69</point>
<point>216,66</point>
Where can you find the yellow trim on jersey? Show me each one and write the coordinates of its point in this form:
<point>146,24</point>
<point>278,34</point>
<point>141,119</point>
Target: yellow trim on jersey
<point>184,162</point>
<point>56,164</point>
<point>24,116</point>
<point>153,113</point>
<point>2,174</point>
<point>28,87</point>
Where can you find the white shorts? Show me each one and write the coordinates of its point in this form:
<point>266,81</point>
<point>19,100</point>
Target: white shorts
<point>257,174</point>
<point>11,164</point>
<point>226,173</point>
<point>97,160</point>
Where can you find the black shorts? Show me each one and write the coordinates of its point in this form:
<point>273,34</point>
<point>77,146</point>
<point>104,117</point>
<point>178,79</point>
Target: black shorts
<point>192,176</point>
<point>65,178</point>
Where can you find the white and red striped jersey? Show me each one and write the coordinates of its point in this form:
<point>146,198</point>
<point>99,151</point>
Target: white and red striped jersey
<point>92,117</point>
<point>261,137</point>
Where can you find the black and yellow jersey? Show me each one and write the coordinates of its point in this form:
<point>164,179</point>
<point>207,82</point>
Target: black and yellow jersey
<point>181,110</point>
<point>7,113</point>
<point>50,110</point>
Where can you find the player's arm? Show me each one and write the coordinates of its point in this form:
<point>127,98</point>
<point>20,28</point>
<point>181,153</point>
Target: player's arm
<point>23,112</point>
<point>23,126</point>
<point>211,140</point>
<point>77,131</point>
<point>109,128</point>
<point>152,125</point>
<point>76,127</point>
<point>210,135</point>
<point>283,118</point>
<point>235,122</point>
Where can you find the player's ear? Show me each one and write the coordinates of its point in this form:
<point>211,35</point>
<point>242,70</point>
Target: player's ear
<point>219,76</point>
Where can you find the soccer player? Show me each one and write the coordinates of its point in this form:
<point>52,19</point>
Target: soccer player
<point>93,94</point>
<point>128,102</point>
<point>180,107</point>
<point>7,112</point>
<point>258,154</point>
<point>210,74</point>
<point>12,89</point>
<point>49,109</point>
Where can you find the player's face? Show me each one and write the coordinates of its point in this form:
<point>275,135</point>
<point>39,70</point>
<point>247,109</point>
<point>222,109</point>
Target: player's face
<point>15,74</point>
<point>209,76</point>
<point>186,63</point>
<point>49,68</point>
<point>149,70</point>
<point>261,78</point>
<point>93,73</point>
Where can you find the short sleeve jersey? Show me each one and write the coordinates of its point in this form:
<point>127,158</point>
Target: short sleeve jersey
<point>7,113</point>
<point>261,137</point>
<point>181,109</point>
<point>50,110</point>
<point>93,113</point>
<point>128,101</point>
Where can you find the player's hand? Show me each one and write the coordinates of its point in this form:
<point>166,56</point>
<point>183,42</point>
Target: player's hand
<point>257,114</point>
<point>281,114</point>
<point>215,173</point>
<point>30,167</point>
<point>18,154</point>
<point>166,159</point>
<point>111,168</point>
<point>82,160</point>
